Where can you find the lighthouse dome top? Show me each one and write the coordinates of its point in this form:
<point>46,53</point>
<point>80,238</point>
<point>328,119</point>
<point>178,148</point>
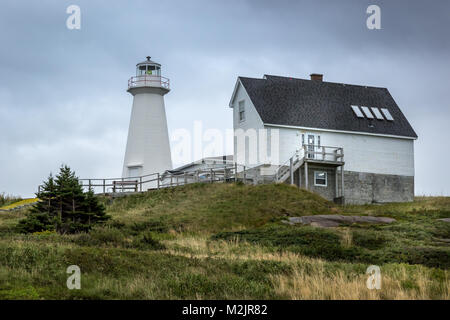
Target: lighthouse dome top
<point>148,61</point>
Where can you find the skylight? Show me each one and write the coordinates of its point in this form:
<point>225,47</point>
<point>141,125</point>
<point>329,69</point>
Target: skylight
<point>357,112</point>
<point>367,112</point>
<point>387,114</point>
<point>377,113</point>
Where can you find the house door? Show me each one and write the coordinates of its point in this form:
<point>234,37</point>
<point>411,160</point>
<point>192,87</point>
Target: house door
<point>312,144</point>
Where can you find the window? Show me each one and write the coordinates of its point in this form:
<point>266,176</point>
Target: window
<point>150,69</point>
<point>320,178</point>
<point>134,171</point>
<point>367,112</point>
<point>141,70</point>
<point>303,139</point>
<point>387,114</point>
<point>241,111</point>
<point>377,113</point>
<point>357,111</point>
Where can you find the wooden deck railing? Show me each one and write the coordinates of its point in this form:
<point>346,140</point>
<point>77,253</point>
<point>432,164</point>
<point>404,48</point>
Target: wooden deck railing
<point>323,153</point>
<point>309,153</point>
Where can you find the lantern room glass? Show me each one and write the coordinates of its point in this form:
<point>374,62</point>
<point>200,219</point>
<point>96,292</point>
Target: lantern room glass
<point>148,69</point>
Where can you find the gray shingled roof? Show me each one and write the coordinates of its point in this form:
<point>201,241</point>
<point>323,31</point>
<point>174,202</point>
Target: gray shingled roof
<point>325,105</point>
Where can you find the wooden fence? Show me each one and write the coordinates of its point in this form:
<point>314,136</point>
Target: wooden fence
<point>172,178</point>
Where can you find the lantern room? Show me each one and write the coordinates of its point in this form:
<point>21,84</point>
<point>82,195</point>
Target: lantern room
<point>148,74</point>
<point>148,67</point>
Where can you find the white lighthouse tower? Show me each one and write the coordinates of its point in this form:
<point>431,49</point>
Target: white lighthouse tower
<point>148,149</point>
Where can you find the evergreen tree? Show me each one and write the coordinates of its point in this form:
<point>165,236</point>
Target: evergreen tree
<point>42,214</point>
<point>63,206</point>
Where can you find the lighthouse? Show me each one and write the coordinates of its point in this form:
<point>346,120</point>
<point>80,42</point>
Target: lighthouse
<point>148,149</point>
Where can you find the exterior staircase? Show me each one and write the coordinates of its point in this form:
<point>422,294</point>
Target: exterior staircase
<point>283,172</point>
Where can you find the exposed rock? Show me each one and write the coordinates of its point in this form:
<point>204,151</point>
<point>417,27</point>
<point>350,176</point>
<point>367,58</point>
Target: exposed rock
<point>445,219</point>
<point>335,220</point>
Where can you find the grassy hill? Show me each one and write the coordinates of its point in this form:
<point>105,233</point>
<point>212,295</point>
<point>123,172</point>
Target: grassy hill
<point>227,241</point>
<point>7,199</point>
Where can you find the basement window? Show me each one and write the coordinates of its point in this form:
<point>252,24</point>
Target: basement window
<point>320,178</point>
<point>241,111</point>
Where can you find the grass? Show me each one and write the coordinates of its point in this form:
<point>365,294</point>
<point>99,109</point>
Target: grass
<point>18,203</point>
<point>227,241</point>
<point>213,208</point>
<point>6,199</point>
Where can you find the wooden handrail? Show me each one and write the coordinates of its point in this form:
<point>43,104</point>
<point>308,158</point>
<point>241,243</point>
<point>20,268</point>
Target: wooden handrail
<point>217,174</point>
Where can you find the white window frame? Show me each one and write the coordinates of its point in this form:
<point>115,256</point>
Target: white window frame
<point>326,179</point>
<point>241,104</point>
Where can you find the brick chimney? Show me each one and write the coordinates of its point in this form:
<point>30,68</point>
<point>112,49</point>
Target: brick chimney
<point>316,76</point>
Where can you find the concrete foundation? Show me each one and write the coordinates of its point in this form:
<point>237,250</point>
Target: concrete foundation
<point>359,187</point>
<point>363,188</point>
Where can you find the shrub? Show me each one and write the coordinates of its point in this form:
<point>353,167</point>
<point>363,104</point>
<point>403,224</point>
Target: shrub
<point>368,239</point>
<point>427,256</point>
<point>147,241</point>
<point>112,237</point>
<point>279,235</point>
<point>35,222</point>
<point>155,226</point>
<point>101,236</point>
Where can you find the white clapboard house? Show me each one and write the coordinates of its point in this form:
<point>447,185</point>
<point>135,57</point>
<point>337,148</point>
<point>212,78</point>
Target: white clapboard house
<point>344,142</point>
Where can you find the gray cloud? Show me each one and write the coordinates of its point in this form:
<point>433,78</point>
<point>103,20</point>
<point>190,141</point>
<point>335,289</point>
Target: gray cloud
<point>62,92</point>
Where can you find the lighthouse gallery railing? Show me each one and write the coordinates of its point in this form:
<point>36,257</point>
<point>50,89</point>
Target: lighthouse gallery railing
<point>149,81</point>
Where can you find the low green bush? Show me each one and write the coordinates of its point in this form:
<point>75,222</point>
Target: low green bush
<point>368,239</point>
<point>427,256</point>
<point>112,237</point>
<point>281,235</point>
<point>147,241</point>
<point>367,246</point>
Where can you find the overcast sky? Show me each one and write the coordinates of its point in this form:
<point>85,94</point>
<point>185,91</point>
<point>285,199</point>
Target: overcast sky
<point>63,92</point>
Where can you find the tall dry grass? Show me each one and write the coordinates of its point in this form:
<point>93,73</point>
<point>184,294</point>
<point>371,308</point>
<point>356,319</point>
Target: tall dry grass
<point>401,285</point>
<point>314,279</point>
